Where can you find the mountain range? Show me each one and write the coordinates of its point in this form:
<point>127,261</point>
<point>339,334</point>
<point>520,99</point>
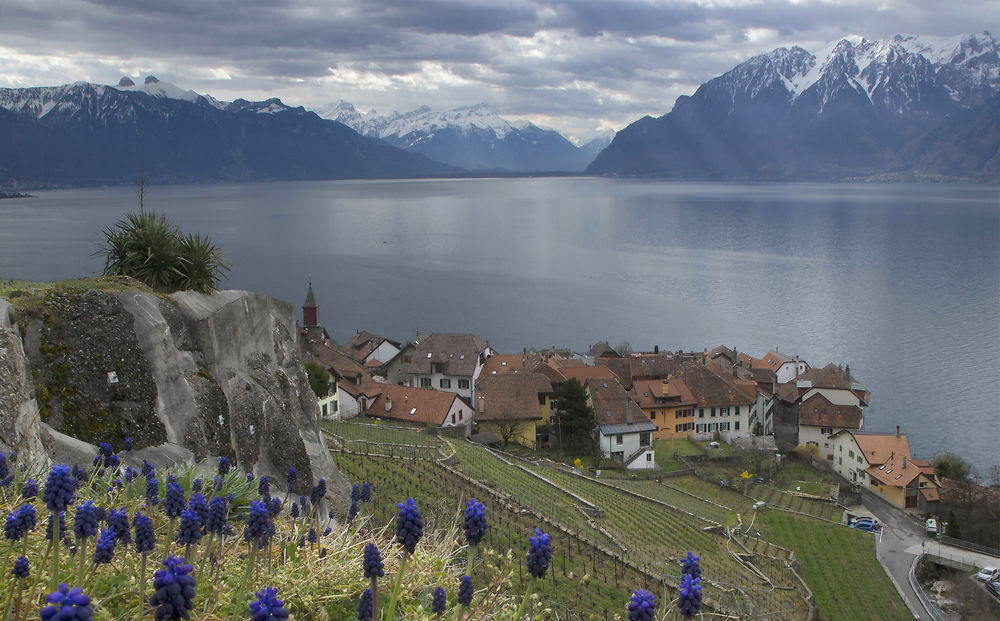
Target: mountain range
<point>475,138</point>
<point>906,107</point>
<point>88,134</point>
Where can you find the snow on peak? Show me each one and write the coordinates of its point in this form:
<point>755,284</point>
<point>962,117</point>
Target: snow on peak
<point>421,121</point>
<point>154,87</point>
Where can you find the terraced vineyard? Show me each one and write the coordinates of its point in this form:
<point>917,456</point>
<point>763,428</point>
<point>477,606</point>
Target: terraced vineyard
<point>583,583</point>
<point>385,440</point>
<point>794,502</point>
<point>682,500</point>
<point>838,564</point>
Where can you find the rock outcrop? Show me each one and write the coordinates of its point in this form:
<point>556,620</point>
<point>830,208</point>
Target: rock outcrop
<point>188,377</point>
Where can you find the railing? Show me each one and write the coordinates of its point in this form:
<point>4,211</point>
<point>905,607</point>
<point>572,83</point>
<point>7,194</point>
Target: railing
<point>635,455</point>
<point>968,545</point>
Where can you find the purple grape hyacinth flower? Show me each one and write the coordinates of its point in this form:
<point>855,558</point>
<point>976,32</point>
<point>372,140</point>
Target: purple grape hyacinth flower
<point>60,488</point>
<point>539,554</point>
<point>689,599</point>
<point>366,492</point>
<point>174,589</point>
<point>409,525</point>
<point>105,551</point>
<point>118,520</point>
<point>293,476</point>
<point>30,489</point>
<point>190,530</point>
<point>475,522</point>
<point>145,535</point>
<point>85,520</point>
<point>224,466</point>
<point>373,566</point>
<point>465,591</point>
<point>355,493</point>
<point>174,503</point>
<point>641,606</point>
<point>439,601</point>
<point>22,569</point>
<point>268,607</point>
<point>365,606</point>
<point>66,604</point>
<point>691,565</point>
<point>353,512</point>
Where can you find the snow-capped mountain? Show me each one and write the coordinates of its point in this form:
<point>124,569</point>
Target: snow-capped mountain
<point>473,137</point>
<point>83,133</point>
<point>792,113</point>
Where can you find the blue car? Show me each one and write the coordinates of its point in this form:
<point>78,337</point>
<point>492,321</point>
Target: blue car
<point>867,525</point>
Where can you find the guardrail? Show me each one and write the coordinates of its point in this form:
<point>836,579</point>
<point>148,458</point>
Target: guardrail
<point>968,545</point>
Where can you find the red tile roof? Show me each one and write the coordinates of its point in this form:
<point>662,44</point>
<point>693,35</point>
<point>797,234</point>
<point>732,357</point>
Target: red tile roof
<point>613,405</point>
<point>513,396</point>
<point>414,405</point>
<point>364,343</point>
<point>650,394</point>
<point>582,374</point>
<point>457,353</point>
<point>709,389</point>
<point>818,411</point>
<point>502,364</point>
<point>897,471</point>
<point>878,447</point>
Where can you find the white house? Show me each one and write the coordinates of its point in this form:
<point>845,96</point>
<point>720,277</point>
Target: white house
<point>449,362</point>
<point>625,433</point>
<point>421,406</point>
<point>785,368</point>
<point>372,350</point>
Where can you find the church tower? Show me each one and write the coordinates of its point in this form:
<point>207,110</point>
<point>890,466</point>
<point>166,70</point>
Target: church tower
<point>310,312</point>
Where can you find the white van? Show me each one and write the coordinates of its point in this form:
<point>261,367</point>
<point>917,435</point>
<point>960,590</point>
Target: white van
<point>931,526</point>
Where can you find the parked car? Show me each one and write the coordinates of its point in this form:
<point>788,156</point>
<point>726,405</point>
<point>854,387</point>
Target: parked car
<point>988,574</point>
<point>994,588</point>
<point>871,527</point>
<point>931,526</point>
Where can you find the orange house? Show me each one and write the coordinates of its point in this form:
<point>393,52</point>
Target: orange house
<point>668,404</point>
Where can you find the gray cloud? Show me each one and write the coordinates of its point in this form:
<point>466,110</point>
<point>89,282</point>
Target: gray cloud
<point>576,64</point>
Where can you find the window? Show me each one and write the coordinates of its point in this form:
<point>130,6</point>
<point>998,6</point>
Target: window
<point>437,367</point>
<point>618,439</point>
<point>649,457</point>
<point>840,460</point>
<point>652,415</point>
<point>713,412</point>
<point>463,383</point>
<point>841,448</point>
<point>461,413</point>
<point>723,411</point>
<point>444,383</point>
<point>711,426</point>
<point>859,459</point>
<point>736,427</point>
<point>452,419</point>
<point>644,438</point>
<point>425,382</point>
<point>724,426</point>
<point>324,409</point>
<point>849,453</point>
<point>826,430</point>
<point>737,410</point>
<point>407,358</point>
<point>678,428</point>
<point>334,406</point>
<point>701,412</point>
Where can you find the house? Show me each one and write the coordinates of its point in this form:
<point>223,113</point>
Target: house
<point>602,349</point>
<point>824,412</point>
<point>784,367</point>
<point>882,462</point>
<point>668,404</point>
<point>449,362</point>
<point>721,406</point>
<point>503,364</point>
<point>828,390</point>
<point>352,388</point>
<point>372,350</point>
<point>422,407</point>
<point>624,433</point>
<point>515,406</point>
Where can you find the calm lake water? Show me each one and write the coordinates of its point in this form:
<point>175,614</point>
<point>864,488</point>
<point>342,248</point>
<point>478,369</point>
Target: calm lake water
<point>899,281</point>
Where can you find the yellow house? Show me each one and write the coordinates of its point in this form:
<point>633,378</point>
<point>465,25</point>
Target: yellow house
<point>668,404</point>
<point>515,407</point>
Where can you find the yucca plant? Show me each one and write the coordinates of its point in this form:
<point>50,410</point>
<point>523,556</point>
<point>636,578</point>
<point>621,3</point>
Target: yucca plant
<point>149,248</point>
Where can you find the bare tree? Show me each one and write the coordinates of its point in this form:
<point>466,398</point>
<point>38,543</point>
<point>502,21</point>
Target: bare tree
<point>507,421</point>
<point>140,190</point>
<point>623,349</point>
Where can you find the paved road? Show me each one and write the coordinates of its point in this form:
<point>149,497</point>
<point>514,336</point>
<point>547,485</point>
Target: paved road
<point>901,541</point>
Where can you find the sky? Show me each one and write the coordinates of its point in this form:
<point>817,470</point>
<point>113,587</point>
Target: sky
<point>578,66</point>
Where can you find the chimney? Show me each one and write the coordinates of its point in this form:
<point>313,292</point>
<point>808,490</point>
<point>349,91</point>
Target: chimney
<point>666,387</point>
<point>388,404</point>
<point>628,411</point>
<point>897,431</point>
<point>656,349</point>
<point>904,463</point>
<point>482,404</point>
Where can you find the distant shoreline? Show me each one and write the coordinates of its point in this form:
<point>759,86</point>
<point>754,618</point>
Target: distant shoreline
<point>8,194</point>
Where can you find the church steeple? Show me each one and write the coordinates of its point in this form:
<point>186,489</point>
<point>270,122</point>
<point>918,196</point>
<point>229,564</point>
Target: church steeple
<point>310,312</point>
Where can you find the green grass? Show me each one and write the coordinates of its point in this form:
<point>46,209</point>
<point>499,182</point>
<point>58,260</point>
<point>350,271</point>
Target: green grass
<point>22,294</point>
<point>664,458</point>
<point>838,564</point>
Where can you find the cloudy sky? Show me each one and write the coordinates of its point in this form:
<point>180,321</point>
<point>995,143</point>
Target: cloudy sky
<point>576,65</point>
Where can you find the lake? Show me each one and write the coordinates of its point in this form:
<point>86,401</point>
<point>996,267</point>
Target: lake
<point>900,281</point>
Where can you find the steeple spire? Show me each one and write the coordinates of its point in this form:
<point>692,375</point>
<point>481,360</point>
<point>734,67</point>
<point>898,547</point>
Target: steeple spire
<point>310,311</point>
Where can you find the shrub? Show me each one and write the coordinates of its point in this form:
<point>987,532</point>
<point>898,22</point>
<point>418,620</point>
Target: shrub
<point>149,248</point>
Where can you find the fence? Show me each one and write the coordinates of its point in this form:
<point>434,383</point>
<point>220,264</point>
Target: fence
<point>968,545</point>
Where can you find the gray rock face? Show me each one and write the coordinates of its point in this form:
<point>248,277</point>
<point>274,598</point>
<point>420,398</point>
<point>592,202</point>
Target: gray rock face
<point>195,377</point>
<point>18,411</point>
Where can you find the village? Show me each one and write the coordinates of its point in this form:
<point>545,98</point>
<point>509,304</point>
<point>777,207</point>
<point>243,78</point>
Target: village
<point>775,404</point>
